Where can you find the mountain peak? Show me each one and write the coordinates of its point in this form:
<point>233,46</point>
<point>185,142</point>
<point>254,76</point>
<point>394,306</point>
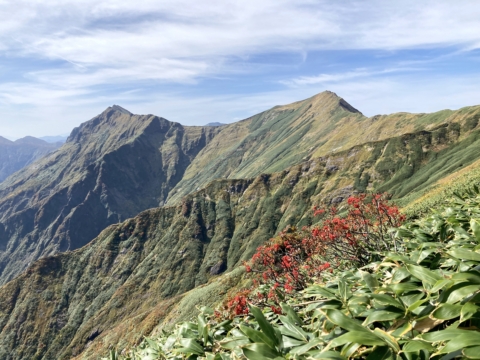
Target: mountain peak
<point>30,140</point>
<point>5,141</point>
<point>120,109</point>
<point>332,98</point>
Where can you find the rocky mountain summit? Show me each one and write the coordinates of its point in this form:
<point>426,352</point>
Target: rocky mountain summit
<point>15,155</point>
<point>199,199</point>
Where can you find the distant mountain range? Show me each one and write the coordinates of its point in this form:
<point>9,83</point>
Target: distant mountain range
<point>15,155</point>
<point>215,124</point>
<point>136,220</point>
<point>54,139</point>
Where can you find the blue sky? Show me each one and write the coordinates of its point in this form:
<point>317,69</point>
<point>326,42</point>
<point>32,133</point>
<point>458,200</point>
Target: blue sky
<point>64,61</point>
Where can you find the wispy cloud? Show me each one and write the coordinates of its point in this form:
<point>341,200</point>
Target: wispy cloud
<point>61,53</point>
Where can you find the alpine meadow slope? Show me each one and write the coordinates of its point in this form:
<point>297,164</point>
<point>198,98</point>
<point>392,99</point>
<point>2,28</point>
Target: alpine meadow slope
<point>228,189</point>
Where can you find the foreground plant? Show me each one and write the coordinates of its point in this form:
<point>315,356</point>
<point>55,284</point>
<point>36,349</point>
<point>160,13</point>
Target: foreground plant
<point>420,302</point>
<point>296,258</point>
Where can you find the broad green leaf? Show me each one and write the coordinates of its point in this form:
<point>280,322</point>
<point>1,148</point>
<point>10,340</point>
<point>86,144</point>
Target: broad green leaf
<point>440,284</point>
<point>343,290</point>
<point>447,311</point>
<point>424,274</point>
<point>190,346</point>
<point>370,280</point>
<point>234,343</point>
<point>464,254</point>
<point>443,335</point>
<point>358,337</point>
<point>472,276</point>
<point>400,274</point>
<point>388,300</point>
<point>468,310</point>
<point>259,352</point>
<point>340,319</point>
<point>461,293</point>
<point>472,352</point>
<point>320,290</point>
<point>382,315</point>
<point>292,315</point>
<point>293,330</point>
<point>202,328</point>
<point>289,342</point>
<point>416,345</point>
<point>381,353</point>
<point>405,287</point>
<point>475,226</point>
<point>389,339</point>
<point>266,327</point>
<point>257,336</point>
<point>472,338</point>
<point>304,348</point>
<point>331,355</point>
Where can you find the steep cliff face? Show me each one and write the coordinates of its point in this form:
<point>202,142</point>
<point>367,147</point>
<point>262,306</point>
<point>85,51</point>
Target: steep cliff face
<point>123,284</point>
<point>15,155</point>
<point>111,168</point>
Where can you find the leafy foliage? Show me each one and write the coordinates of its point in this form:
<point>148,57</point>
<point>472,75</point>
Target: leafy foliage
<point>420,302</point>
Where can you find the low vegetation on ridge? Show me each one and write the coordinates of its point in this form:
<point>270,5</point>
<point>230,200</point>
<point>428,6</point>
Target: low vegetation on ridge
<point>418,301</point>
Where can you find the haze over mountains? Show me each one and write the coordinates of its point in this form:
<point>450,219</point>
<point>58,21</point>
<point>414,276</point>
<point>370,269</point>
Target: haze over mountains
<point>154,209</point>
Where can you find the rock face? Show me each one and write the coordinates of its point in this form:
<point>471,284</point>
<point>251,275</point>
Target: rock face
<point>111,168</point>
<point>15,155</point>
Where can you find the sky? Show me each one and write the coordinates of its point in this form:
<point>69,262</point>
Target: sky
<point>64,61</point>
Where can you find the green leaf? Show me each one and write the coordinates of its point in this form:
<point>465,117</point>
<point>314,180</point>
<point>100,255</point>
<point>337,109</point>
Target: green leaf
<point>439,285</point>
<point>388,300</point>
<point>472,352</point>
<point>468,310</point>
<point>190,346</point>
<point>381,353</point>
<point>266,327</point>
<point>333,355</point>
<point>304,348</point>
<point>472,276</point>
<point>416,345</point>
<point>259,352</point>
<point>320,290</point>
<point>443,335</point>
<point>382,315</point>
<point>404,287</point>
<point>257,336</point>
<point>234,343</point>
<point>343,290</point>
<point>447,311</point>
<point>464,254</point>
<point>292,315</point>
<point>424,274</point>
<point>475,226</point>
<point>340,319</point>
<point>389,339</point>
<point>359,337</point>
<point>461,293</point>
<point>370,280</point>
<point>472,338</point>
<point>293,330</point>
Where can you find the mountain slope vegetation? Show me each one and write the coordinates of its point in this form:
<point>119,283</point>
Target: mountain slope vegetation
<point>227,190</point>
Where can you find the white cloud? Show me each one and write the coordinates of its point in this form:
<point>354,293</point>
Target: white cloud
<point>128,43</point>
